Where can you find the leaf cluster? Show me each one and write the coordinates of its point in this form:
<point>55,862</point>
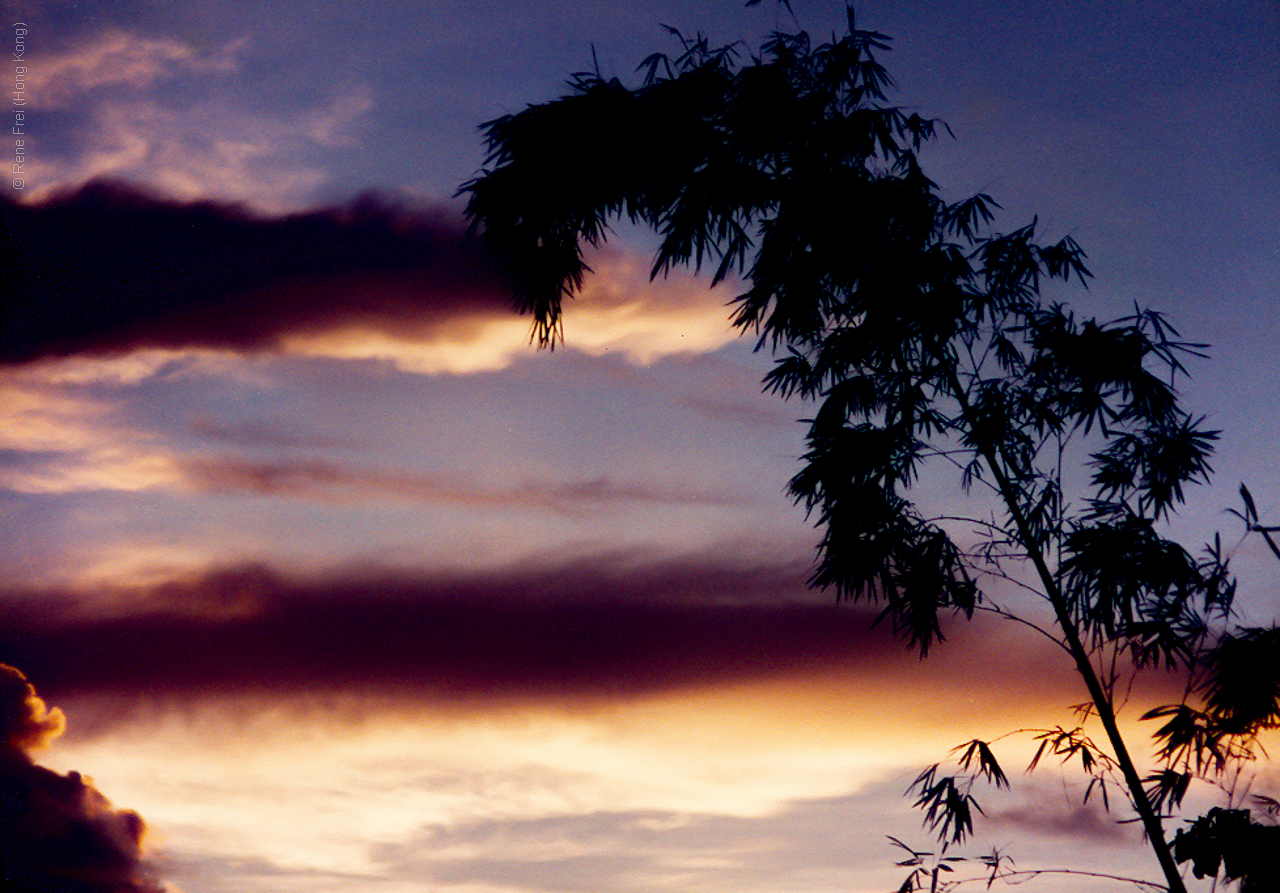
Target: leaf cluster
<point>1238,689</point>
<point>710,153</point>
<point>947,800</point>
<point>1230,841</point>
<point>913,326</point>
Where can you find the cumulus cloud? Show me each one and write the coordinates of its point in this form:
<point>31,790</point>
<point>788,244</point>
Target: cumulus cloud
<point>26,723</point>
<point>58,833</point>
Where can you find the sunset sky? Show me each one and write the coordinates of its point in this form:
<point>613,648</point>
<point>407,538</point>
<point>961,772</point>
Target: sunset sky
<point>340,584</point>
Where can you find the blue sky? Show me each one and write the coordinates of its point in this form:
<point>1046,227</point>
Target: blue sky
<point>166,503</point>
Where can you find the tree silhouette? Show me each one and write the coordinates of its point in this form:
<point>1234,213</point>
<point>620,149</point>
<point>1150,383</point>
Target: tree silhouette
<point>921,336</point>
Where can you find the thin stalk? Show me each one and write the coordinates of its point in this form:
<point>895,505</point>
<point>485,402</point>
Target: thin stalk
<point>1266,535</point>
<point>1106,715</point>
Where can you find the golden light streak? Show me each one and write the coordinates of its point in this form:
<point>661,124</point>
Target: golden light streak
<point>307,791</point>
<point>620,312</point>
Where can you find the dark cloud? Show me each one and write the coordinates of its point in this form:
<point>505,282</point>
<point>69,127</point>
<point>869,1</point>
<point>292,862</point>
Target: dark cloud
<point>569,633</point>
<point>1087,823</point>
<point>573,630</point>
<point>590,630</point>
<point>108,269</point>
<point>742,413</point>
<point>58,834</point>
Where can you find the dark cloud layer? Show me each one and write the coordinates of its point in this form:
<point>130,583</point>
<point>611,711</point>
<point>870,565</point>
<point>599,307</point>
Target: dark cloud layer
<point>575,630</point>
<point>108,269</point>
<point>58,834</point>
<point>270,433</point>
<point>318,478</point>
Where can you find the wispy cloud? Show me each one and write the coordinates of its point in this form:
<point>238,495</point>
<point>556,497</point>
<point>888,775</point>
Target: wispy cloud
<point>207,152</point>
<point>158,111</point>
<point>50,458</point>
<point>36,417</point>
<point>326,479</point>
<point>119,59</point>
<point>827,841</point>
<point>76,471</point>
<point>743,413</point>
<point>713,790</point>
<point>1058,817</point>
<point>63,440</point>
<point>272,433</point>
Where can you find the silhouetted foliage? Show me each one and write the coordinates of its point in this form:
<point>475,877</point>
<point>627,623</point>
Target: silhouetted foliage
<point>1229,842</point>
<point>920,334</point>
